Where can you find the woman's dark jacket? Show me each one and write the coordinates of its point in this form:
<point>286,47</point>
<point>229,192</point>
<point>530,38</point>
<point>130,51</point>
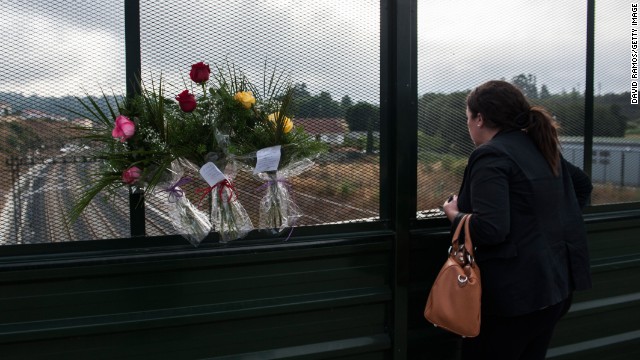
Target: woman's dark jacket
<point>527,225</point>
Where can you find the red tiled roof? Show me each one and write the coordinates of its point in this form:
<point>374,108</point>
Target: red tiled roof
<point>33,112</point>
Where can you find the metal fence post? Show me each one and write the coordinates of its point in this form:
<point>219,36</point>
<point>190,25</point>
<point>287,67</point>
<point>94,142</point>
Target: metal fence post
<point>133,75</point>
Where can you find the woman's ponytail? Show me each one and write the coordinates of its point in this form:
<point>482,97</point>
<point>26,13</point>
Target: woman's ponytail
<point>543,130</point>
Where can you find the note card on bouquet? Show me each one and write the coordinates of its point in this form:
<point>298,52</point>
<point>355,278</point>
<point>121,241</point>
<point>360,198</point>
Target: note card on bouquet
<point>268,159</point>
<point>211,174</point>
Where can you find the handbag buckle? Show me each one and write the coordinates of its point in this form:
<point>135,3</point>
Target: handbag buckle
<point>462,256</point>
<point>462,280</point>
<point>470,259</point>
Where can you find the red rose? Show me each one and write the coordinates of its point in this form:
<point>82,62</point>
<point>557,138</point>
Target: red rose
<point>200,72</point>
<point>186,101</point>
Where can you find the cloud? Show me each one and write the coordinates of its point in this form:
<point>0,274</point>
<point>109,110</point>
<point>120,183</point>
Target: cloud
<point>59,48</point>
<point>462,44</point>
<point>328,45</point>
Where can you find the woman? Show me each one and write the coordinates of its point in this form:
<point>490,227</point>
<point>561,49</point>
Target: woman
<point>526,223</point>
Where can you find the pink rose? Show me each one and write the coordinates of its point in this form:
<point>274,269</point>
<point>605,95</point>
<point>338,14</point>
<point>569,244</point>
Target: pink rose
<point>131,175</point>
<point>200,72</point>
<point>186,101</point>
<point>124,128</point>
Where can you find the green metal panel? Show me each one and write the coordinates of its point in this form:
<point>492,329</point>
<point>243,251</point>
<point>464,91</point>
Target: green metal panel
<point>603,322</point>
<point>304,299</point>
<point>312,301</point>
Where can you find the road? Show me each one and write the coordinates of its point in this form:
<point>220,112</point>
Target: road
<point>36,208</point>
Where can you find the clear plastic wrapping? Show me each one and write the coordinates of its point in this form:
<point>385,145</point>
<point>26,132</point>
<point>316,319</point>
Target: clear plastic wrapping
<point>185,217</point>
<point>229,217</point>
<point>278,209</point>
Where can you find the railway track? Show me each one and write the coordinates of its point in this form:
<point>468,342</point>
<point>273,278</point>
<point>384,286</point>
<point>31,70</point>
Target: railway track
<point>36,209</point>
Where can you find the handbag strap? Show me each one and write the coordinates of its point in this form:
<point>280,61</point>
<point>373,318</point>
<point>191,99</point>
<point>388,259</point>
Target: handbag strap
<point>468,243</point>
<point>456,234</point>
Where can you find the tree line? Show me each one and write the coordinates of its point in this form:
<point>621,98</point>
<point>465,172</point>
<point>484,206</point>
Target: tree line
<point>442,119</point>
<point>441,116</point>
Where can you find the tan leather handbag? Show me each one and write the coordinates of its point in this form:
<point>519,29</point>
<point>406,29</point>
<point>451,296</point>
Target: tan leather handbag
<point>454,300</point>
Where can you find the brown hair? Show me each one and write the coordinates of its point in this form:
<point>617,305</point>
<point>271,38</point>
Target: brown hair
<point>503,106</point>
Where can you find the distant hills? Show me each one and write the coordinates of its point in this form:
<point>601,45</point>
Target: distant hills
<point>56,106</point>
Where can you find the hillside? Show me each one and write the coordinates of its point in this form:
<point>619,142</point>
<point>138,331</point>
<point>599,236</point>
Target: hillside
<point>55,106</point>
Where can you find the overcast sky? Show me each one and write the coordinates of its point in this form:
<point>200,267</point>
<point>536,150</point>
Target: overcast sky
<point>60,47</point>
<point>463,43</point>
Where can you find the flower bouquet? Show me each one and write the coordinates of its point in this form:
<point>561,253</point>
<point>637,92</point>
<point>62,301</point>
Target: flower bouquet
<point>151,141</point>
<point>266,141</point>
<point>139,139</point>
<point>229,218</point>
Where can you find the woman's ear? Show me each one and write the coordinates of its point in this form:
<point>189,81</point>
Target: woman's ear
<point>480,119</point>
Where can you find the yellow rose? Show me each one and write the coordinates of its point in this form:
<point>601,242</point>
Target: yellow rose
<point>288,124</point>
<point>245,98</point>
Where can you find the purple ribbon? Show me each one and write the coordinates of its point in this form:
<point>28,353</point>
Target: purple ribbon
<point>174,190</point>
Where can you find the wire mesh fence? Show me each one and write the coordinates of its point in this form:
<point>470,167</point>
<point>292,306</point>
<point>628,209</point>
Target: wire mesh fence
<point>540,47</point>
<point>56,53</point>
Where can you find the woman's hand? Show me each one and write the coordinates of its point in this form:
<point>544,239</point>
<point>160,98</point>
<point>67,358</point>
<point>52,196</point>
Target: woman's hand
<point>450,207</point>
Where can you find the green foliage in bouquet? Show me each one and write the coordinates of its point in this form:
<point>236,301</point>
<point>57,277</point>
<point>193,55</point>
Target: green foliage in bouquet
<point>193,127</point>
<point>138,138</point>
<point>255,118</point>
<point>129,149</point>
